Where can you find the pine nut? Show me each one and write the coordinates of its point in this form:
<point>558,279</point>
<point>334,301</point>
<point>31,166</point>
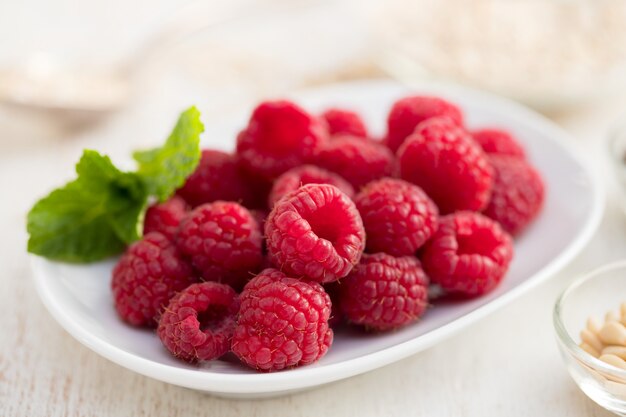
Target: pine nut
<point>619,351</point>
<point>591,339</point>
<point>611,316</point>
<point>590,350</point>
<point>613,360</point>
<point>613,333</point>
<point>593,325</point>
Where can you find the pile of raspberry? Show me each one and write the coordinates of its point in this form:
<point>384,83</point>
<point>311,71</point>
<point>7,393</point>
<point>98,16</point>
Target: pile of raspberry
<point>312,224</point>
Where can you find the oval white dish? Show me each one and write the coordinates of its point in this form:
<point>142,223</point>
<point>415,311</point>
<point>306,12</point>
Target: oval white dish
<point>78,296</point>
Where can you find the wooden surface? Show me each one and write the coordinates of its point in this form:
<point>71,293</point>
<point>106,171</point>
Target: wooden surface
<point>505,365</point>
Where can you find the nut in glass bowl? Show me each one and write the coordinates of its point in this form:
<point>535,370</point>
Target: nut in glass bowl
<point>590,297</point>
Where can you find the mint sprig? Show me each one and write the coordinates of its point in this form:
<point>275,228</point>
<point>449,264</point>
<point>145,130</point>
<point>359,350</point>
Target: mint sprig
<point>100,212</point>
<point>165,169</point>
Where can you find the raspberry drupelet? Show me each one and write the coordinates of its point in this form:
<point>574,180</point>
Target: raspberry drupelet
<point>316,233</point>
<point>147,275</point>
<point>198,323</point>
<point>384,292</point>
<point>282,322</point>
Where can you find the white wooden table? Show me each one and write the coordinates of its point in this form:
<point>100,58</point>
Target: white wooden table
<point>506,365</point>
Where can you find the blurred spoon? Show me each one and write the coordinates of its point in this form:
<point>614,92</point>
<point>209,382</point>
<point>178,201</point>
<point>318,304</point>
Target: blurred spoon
<point>45,84</point>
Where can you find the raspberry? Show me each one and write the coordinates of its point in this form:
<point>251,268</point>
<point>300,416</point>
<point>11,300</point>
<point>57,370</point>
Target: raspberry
<point>345,122</point>
<point>497,141</point>
<point>384,292</point>
<point>279,136</point>
<point>358,161</point>
<point>315,232</point>
<point>398,216</point>
<point>306,174</point>
<point>469,254</point>
<point>282,322</point>
<point>450,167</point>
<point>199,322</point>
<point>518,193</point>
<point>223,241</point>
<point>165,217</point>
<point>217,177</point>
<point>409,112</point>
<point>147,275</point>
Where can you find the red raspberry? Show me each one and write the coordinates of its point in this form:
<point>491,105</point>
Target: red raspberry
<point>217,177</point>
<point>409,112</point>
<point>279,136</point>
<point>199,322</point>
<point>165,217</point>
<point>344,122</point>
<point>497,141</point>
<point>223,241</point>
<point>315,232</point>
<point>384,292</point>
<point>306,174</point>
<point>450,167</point>
<point>358,161</point>
<point>147,275</point>
<point>518,193</point>
<point>469,254</point>
<point>398,216</point>
<point>282,322</point>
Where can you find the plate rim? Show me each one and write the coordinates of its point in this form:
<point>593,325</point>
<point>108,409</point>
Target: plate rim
<point>311,376</point>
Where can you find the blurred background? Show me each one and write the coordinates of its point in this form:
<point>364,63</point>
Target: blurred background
<point>112,75</point>
<point>68,66</point>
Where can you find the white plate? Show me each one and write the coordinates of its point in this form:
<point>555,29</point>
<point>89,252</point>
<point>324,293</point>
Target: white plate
<point>79,297</point>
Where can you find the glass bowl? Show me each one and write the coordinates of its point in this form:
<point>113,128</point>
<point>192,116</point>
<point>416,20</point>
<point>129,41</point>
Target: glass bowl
<point>591,296</point>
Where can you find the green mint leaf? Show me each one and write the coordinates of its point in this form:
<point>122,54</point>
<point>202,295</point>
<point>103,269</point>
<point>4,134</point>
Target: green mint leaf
<point>90,218</point>
<point>126,206</point>
<point>99,213</point>
<point>166,168</point>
